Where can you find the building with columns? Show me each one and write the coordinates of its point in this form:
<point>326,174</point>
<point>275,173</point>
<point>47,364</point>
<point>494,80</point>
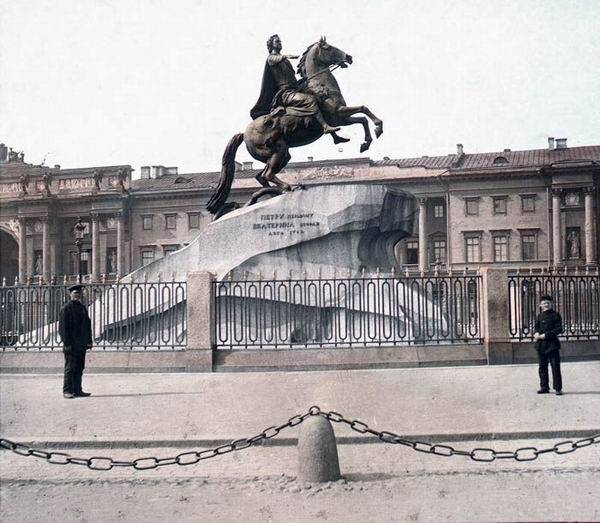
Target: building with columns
<point>514,209</point>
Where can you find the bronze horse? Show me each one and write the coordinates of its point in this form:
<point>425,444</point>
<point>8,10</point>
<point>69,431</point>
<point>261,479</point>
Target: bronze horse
<point>269,137</point>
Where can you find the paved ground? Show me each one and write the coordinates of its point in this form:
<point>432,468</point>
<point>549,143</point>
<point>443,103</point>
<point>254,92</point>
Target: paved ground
<point>175,407</point>
<point>138,415</point>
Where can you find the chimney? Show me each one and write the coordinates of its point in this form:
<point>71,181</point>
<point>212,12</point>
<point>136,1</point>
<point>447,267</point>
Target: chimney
<point>551,142</point>
<point>561,143</point>
<point>310,158</point>
<point>459,149</point>
<point>156,171</point>
<point>247,166</point>
<point>57,166</point>
<point>506,150</point>
<point>145,172</point>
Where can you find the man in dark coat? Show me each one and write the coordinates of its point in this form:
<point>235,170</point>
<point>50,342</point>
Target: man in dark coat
<point>548,325</point>
<point>75,329</point>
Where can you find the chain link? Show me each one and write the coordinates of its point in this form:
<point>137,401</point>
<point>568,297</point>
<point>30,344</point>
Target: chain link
<point>478,454</point>
<point>484,455</point>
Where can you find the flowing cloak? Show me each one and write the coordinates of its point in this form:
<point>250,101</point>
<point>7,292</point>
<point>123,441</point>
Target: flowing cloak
<point>268,89</point>
<point>280,87</point>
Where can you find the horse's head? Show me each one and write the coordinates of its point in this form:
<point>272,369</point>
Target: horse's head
<point>327,55</point>
<point>321,55</point>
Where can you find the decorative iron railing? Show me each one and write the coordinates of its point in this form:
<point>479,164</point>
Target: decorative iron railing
<point>348,312</point>
<point>576,298</point>
<point>124,316</point>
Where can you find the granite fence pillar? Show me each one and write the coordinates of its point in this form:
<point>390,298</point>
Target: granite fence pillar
<point>495,316</point>
<point>200,321</point>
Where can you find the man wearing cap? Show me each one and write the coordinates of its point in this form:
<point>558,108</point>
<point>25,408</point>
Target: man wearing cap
<point>548,325</point>
<point>75,330</point>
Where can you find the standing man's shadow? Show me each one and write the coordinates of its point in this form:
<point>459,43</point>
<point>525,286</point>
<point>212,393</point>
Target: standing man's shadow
<point>581,392</point>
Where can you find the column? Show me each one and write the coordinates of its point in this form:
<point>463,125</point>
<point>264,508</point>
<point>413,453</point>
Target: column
<point>120,227</point>
<point>556,235</point>
<point>22,250</point>
<point>46,248</point>
<point>95,248</point>
<point>590,235</point>
<point>423,265</point>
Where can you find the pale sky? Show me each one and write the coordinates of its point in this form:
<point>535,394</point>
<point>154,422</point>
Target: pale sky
<point>105,82</point>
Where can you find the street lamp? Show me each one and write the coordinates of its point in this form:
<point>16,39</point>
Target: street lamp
<point>79,231</point>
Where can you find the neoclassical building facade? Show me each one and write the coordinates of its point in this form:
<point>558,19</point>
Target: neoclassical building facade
<point>514,209</point>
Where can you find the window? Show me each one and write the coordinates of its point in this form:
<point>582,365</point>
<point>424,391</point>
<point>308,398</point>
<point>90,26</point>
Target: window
<point>439,251</point>
<point>111,260</point>
<point>438,210</point>
<point>528,246</point>
<point>473,248</point>
<point>147,222</point>
<point>501,248</point>
<point>147,255</point>
<point>528,203</point>
<point>412,252</point>
<point>193,221</point>
<point>168,249</point>
<point>472,206</point>
<point>499,204</point>
<point>170,221</point>
<point>573,243</point>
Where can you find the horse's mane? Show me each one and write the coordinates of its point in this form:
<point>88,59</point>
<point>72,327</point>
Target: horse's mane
<point>302,62</point>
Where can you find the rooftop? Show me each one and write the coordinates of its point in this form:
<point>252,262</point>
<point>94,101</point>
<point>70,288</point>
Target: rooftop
<point>501,161</point>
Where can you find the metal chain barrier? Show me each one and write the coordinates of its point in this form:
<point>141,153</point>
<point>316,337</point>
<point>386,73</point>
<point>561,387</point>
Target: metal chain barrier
<point>477,454</point>
<point>192,457</point>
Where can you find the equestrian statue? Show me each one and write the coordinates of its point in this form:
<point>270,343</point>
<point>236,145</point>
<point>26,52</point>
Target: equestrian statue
<point>291,113</point>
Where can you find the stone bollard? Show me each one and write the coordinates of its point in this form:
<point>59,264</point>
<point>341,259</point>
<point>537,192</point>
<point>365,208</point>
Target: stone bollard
<point>317,452</point>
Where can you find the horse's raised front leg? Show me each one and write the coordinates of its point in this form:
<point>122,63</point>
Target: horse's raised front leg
<point>349,120</point>
<point>346,110</point>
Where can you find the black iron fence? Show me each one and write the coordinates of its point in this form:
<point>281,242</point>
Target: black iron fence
<point>124,316</point>
<point>576,298</point>
<point>347,312</point>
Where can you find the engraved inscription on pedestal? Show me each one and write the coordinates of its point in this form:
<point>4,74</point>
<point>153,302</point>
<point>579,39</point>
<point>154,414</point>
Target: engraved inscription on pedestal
<point>283,224</point>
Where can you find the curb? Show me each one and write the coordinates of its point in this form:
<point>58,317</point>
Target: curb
<point>57,443</point>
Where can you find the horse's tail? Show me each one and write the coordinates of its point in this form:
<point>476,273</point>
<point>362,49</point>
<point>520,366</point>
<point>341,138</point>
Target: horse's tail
<point>218,199</point>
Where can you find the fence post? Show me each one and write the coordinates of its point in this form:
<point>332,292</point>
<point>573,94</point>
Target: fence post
<point>200,321</point>
<point>496,331</point>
